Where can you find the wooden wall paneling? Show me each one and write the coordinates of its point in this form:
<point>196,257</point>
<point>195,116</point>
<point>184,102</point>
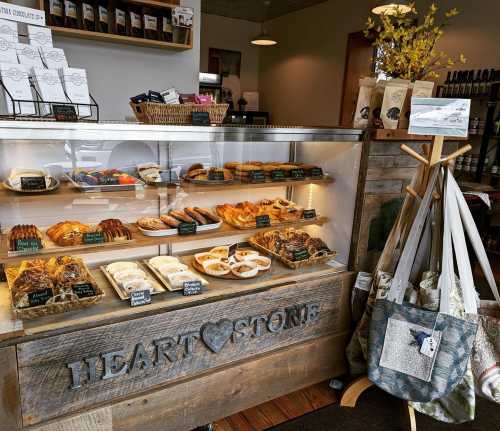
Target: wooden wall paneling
<point>10,409</point>
<point>96,420</point>
<point>43,364</point>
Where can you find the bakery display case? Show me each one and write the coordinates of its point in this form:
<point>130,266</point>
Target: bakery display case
<point>181,250</point>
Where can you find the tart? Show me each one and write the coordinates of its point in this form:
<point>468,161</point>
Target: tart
<point>116,267</point>
<point>222,252</point>
<point>217,269</point>
<point>242,255</point>
<point>158,261</point>
<point>203,257</point>
<point>246,269</point>
<point>263,263</point>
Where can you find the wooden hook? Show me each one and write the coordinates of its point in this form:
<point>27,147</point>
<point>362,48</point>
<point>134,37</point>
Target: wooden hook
<point>414,154</point>
<point>457,153</point>
<point>412,192</point>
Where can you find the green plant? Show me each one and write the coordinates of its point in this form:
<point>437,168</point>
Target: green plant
<point>406,48</point>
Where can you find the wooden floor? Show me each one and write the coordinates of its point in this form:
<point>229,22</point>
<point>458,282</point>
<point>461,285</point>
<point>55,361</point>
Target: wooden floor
<point>280,410</point>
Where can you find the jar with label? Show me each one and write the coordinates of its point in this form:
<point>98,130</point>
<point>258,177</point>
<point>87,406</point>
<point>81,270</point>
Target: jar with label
<point>135,28</point>
<point>167,29</point>
<point>71,13</point>
<point>55,12</point>
<point>88,16</point>
<point>119,19</point>
<point>102,16</point>
<point>150,24</point>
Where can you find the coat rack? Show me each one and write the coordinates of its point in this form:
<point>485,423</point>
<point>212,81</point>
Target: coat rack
<point>432,156</point>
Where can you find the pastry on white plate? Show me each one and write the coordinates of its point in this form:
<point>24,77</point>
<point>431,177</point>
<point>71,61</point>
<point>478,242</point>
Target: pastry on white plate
<point>201,258</point>
<point>16,174</point>
<point>222,252</point>
<point>242,255</point>
<point>263,263</point>
<point>217,269</point>
<point>246,269</point>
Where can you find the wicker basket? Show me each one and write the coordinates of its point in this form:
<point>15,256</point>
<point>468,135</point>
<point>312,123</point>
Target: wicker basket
<point>55,308</point>
<point>159,113</point>
<point>294,265</point>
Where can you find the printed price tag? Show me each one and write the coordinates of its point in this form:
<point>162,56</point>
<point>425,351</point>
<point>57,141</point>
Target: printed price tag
<point>257,176</point>
<point>429,347</point>
<point>262,221</point>
<point>33,183</point>
<point>93,238</point>
<point>297,174</point>
<point>64,113</point>
<point>192,288</point>
<point>39,298</point>
<point>216,176</point>
<point>300,255</point>
<point>186,228</point>
<point>309,214</point>
<point>278,175</point>
<point>28,244</point>
<point>316,172</point>
<point>141,297</point>
<point>83,290</point>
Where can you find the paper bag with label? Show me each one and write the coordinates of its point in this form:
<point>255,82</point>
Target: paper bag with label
<point>376,105</point>
<point>362,113</point>
<point>394,97</point>
<point>416,89</point>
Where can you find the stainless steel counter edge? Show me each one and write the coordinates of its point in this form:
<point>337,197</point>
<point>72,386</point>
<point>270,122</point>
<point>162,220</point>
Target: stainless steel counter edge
<point>39,130</point>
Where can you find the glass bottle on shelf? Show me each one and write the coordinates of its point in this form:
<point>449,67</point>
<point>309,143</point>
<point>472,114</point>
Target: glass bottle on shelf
<point>446,85</point>
<point>470,83</point>
<point>55,12</point>
<point>135,28</point>
<point>167,29</point>
<point>451,88</point>
<point>484,83</point>
<point>463,84</point>
<point>491,78</point>
<point>150,24</point>
<point>71,14</point>
<point>102,16</point>
<point>477,84</point>
<point>88,16</point>
<point>119,19</point>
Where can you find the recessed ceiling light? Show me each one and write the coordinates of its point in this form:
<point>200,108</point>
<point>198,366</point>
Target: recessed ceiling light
<point>391,7</point>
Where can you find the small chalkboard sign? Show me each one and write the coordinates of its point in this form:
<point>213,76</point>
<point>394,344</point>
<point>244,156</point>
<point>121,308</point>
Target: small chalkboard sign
<point>28,244</point>
<point>215,176</point>
<point>186,228</point>
<point>200,119</point>
<point>297,174</point>
<point>299,255</point>
<point>316,172</point>
<point>39,298</point>
<point>192,288</point>
<point>262,221</point>
<point>278,175</point>
<point>93,238</point>
<point>84,290</point>
<point>141,297</point>
<point>232,249</point>
<point>257,176</point>
<point>33,183</point>
<point>64,113</point>
<point>309,214</point>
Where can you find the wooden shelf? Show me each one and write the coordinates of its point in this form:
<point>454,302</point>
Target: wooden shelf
<point>403,135</point>
<point>115,38</point>
<point>140,240</point>
<point>67,192</point>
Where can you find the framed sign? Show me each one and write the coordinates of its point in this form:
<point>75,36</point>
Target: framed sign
<point>440,117</point>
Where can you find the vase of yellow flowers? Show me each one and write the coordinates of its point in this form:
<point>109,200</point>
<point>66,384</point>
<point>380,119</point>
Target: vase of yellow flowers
<point>406,51</point>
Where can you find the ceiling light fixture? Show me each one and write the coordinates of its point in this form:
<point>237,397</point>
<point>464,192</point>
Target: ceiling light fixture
<point>391,7</point>
<point>264,39</point>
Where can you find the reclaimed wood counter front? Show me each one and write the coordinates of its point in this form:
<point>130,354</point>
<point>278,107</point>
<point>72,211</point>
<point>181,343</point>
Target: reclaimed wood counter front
<point>175,364</point>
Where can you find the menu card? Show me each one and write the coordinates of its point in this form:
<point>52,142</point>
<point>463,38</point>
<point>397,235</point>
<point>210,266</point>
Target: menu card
<point>40,36</point>
<point>8,30</point>
<point>7,51</point>
<point>54,58</point>
<point>77,88</point>
<point>49,86</point>
<point>15,79</point>
<point>28,55</point>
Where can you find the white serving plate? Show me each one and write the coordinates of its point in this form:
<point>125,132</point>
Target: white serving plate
<point>172,232</point>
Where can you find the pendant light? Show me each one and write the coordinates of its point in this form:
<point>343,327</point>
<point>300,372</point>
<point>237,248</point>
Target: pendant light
<point>391,7</point>
<point>264,39</point>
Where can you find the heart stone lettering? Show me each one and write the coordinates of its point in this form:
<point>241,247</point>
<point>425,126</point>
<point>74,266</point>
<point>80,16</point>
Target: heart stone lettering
<point>216,335</point>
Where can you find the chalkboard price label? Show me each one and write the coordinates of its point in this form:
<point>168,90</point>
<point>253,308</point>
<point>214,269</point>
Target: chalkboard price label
<point>309,214</point>
<point>316,172</point>
<point>64,113</point>
<point>28,244</point>
<point>191,288</point>
<point>33,183</point>
<point>277,175</point>
<point>297,174</point>
<point>39,298</point>
<point>257,176</point>
<point>299,255</point>
<point>83,290</point>
<point>262,221</point>
<point>93,238</point>
<point>201,119</point>
<point>215,176</point>
<point>186,228</point>
<point>141,297</point>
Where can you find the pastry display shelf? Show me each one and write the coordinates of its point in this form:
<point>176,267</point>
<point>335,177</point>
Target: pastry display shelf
<point>112,309</point>
<point>140,240</point>
<point>66,192</point>
<point>111,131</point>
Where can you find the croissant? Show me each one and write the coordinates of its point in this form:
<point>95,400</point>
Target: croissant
<point>68,233</point>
